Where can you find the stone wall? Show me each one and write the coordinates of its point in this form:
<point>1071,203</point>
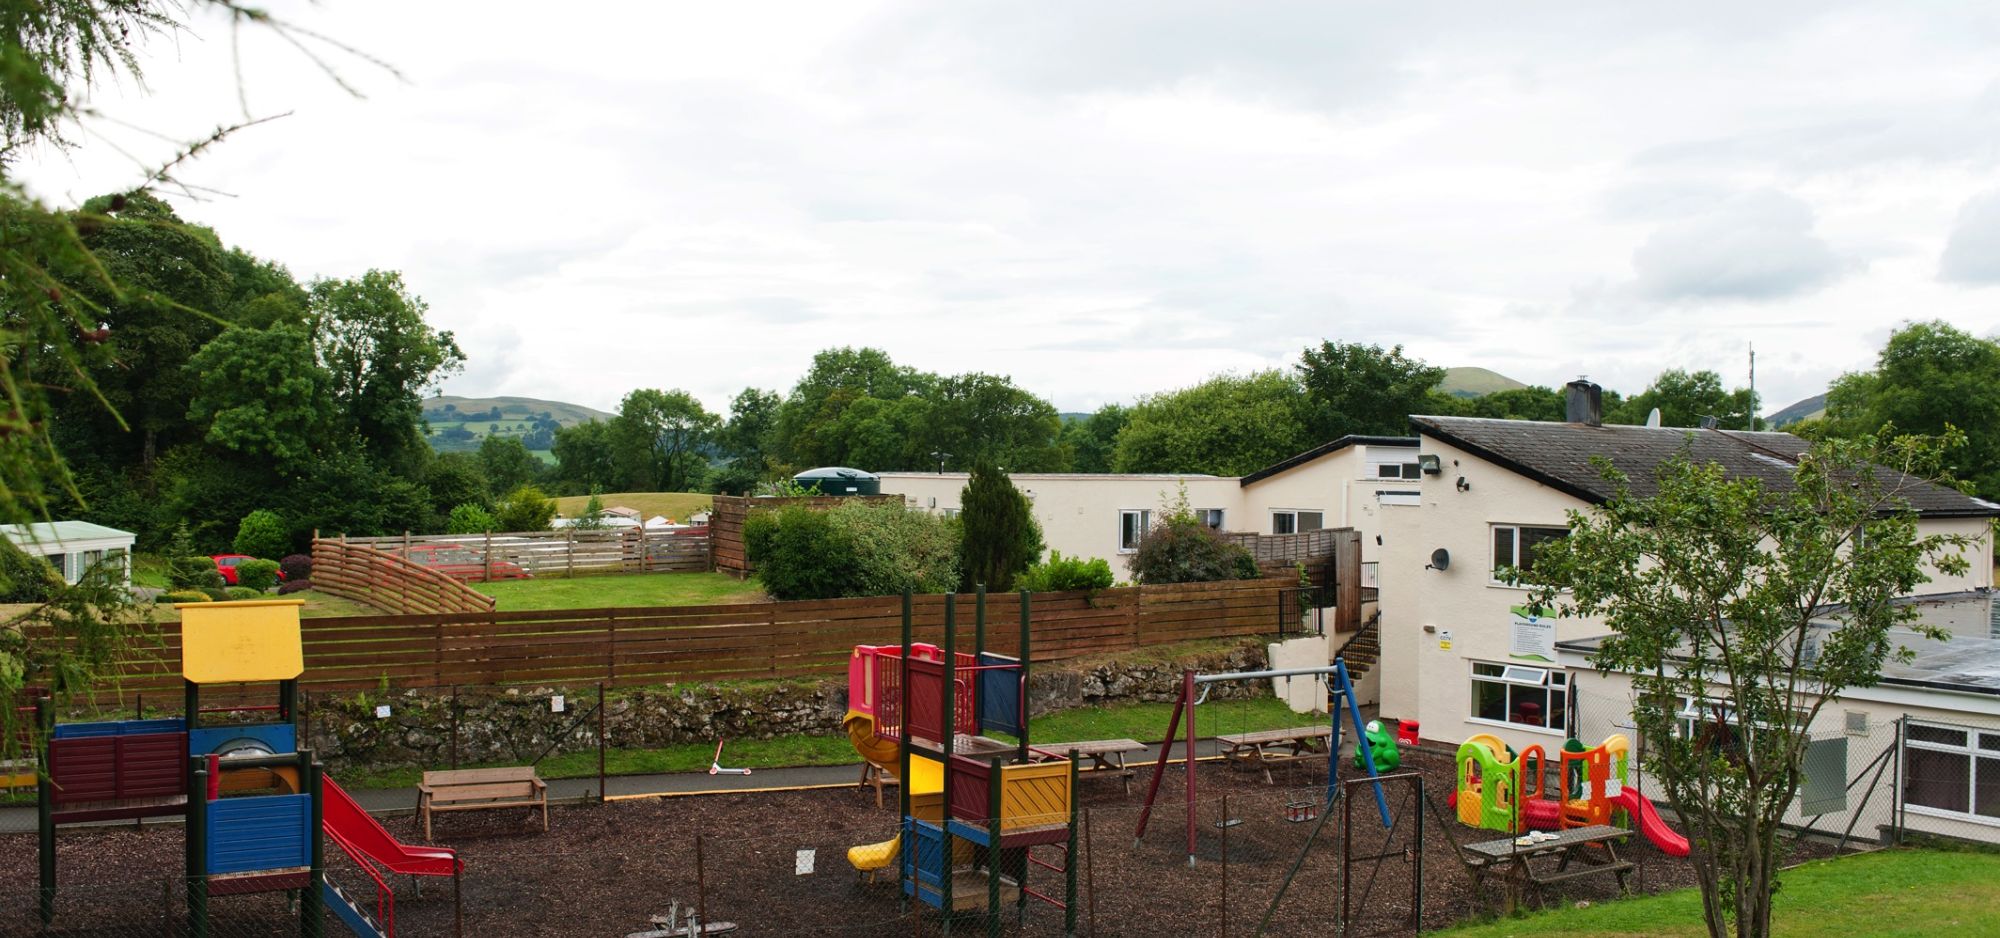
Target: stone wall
<point>519,725</point>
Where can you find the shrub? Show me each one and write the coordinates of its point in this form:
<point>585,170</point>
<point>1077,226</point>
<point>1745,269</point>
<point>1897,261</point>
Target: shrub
<point>1181,549</point>
<point>853,549</point>
<point>294,586</point>
<point>258,575</point>
<point>1058,574</point>
<point>25,578</point>
<point>243,592</point>
<point>184,596</point>
<point>296,567</point>
<point>524,509</point>
<point>469,518</point>
<point>1001,537</point>
<point>217,593</point>
<point>263,534</point>
<point>193,573</point>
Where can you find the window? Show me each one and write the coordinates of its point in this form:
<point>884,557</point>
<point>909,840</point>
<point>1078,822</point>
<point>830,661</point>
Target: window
<point>1398,470</point>
<point>60,562</point>
<point>1520,695</point>
<point>1212,517</point>
<point>1132,525</point>
<point>1951,770</point>
<point>1514,545</point>
<point>1291,521</point>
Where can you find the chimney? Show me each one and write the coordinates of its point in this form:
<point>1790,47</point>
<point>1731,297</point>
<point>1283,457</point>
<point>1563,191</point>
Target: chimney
<point>1585,403</point>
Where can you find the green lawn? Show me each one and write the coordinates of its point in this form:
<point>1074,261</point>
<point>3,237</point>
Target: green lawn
<point>675,505</point>
<point>1146,722</point>
<point>621,589</point>
<point>1927,893</point>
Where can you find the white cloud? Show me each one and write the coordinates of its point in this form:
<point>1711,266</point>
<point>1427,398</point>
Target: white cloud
<point>1972,255</point>
<point>1107,199</point>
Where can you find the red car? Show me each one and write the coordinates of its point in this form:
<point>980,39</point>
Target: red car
<point>463,563</point>
<point>225,564</point>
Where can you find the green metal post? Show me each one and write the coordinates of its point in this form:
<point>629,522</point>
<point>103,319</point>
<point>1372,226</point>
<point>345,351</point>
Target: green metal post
<point>312,910</point>
<point>1069,855</point>
<point>191,703</point>
<point>288,704</point>
<point>906,858</point>
<point>197,847</point>
<point>950,730</point>
<point>45,819</point>
<point>1021,753</point>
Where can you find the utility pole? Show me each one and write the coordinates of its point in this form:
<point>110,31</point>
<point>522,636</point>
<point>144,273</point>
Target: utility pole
<point>1753,386</point>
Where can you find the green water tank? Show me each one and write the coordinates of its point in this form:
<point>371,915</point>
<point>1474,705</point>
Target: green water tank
<point>840,480</point>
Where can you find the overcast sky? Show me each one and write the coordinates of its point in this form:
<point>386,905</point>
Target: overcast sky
<point>1107,199</point>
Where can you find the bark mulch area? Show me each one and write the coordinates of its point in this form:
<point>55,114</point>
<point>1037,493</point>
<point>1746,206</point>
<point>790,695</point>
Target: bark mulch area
<point>604,870</point>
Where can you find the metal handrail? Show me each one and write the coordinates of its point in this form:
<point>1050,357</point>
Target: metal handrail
<point>385,897</point>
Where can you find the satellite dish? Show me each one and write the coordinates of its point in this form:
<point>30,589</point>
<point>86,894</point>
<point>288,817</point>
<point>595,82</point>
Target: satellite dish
<point>1653,419</point>
<point>1440,560</point>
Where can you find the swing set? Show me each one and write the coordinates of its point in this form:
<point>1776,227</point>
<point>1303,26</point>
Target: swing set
<point>1340,699</point>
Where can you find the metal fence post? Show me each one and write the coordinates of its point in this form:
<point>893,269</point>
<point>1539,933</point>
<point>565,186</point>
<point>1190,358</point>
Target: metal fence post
<point>1896,790</point>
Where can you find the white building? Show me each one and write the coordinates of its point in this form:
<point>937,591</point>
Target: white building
<point>1349,482</point>
<point>73,547</point>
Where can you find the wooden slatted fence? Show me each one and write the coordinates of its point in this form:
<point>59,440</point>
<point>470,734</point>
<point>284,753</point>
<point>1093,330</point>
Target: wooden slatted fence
<point>389,581</point>
<point>671,644</point>
<point>568,552</point>
<point>727,514</point>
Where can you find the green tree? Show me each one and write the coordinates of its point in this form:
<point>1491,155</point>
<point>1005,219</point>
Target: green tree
<point>1763,603</point>
<point>261,393</point>
<point>587,456</point>
<point>455,479</point>
<point>814,427</point>
<point>524,509</point>
<point>1227,425</point>
<point>1092,441</point>
<point>382,357</point>
<point>263,534</point>
<point>507,464</point>
<point>1684,398</point>
<point>470,518</point>
<point>1929,377</point>
<point>1356,388</point>
<point>1001,536</point>
<point>857,548</point>
<point>1529,403</point>
<point>748,437</point>
<point>660,436</point>
<point>981,418</point>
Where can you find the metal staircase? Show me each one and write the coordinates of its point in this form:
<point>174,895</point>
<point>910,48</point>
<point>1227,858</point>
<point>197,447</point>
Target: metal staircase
<point>350,913</point>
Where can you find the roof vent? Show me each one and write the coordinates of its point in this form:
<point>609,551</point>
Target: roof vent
<point>1585,403</point>
<point>1710,422</point>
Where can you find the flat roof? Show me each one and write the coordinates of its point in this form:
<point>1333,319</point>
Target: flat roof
<point>61,532</point>
<point>1107,476</point>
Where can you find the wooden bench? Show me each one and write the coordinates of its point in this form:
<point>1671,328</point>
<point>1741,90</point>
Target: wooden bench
<point>481,789</point>
<point>1103,755</point>
<point>1258,750</point>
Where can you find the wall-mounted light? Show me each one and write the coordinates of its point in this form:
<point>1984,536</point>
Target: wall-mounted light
<point>1430,463</point>
<point>1463,485</point>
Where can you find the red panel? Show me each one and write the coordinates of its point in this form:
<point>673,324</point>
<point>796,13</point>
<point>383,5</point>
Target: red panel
<point>970,800</point>
<point>84,769</point>
<point>923,710</point>
<point>152,765</point>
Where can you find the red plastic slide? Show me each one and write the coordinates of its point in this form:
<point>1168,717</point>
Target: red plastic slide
<point>344,819</point>
<point>1656,830</point>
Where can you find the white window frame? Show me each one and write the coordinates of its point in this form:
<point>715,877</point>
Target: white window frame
<point>1213,517</point>
<point>1294,513</point>
<point>1972,752</point>
<point>1514,546</point>
<point>1411,470</point>
<point>1144,516</point>
<point>1553,681</point>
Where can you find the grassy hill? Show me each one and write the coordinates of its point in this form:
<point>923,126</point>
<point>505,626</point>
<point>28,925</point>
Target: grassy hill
<point>1807,409</point>
<point>675,505</point>
<point>460,423</point>
<point>1476,382</point>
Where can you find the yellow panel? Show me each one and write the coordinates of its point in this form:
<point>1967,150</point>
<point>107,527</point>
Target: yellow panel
<point>926,775</point>
<point>246,640</point>
<point>1035,795</point>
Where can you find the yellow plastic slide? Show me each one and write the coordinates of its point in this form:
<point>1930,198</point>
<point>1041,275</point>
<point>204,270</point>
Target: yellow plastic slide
<point>927,778</point>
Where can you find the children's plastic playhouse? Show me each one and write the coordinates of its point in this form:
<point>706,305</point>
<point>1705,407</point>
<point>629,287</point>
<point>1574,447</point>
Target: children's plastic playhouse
<point>1500,790</point>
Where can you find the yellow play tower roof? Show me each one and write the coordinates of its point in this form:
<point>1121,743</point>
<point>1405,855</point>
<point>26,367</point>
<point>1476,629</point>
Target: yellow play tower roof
<point>240,641</point>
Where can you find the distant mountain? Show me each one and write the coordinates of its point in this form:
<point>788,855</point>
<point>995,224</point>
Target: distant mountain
<point>459,423</point>
<point>1807,409</point>
<point>1476,382</point>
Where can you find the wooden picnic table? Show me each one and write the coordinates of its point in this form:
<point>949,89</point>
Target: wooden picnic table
<point>1514,864</point>
<point>1260,749</point>
<point>1105,755</point>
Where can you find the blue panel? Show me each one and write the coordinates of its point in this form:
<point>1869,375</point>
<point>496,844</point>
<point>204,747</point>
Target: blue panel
<point>118,728</point>
<point>930,851</point>
<point>975,833</point>
<point>280,738</point>
<point>1000,696</point>
<point>265,833</point>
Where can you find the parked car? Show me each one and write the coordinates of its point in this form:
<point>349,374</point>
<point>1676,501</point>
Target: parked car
<point>225,564</point>
<point>463,563</point>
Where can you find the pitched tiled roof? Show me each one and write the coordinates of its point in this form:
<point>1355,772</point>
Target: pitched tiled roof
<point>1558,455</point>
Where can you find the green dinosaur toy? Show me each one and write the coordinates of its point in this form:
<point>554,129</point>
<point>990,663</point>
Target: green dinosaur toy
<point>1381,745</point>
